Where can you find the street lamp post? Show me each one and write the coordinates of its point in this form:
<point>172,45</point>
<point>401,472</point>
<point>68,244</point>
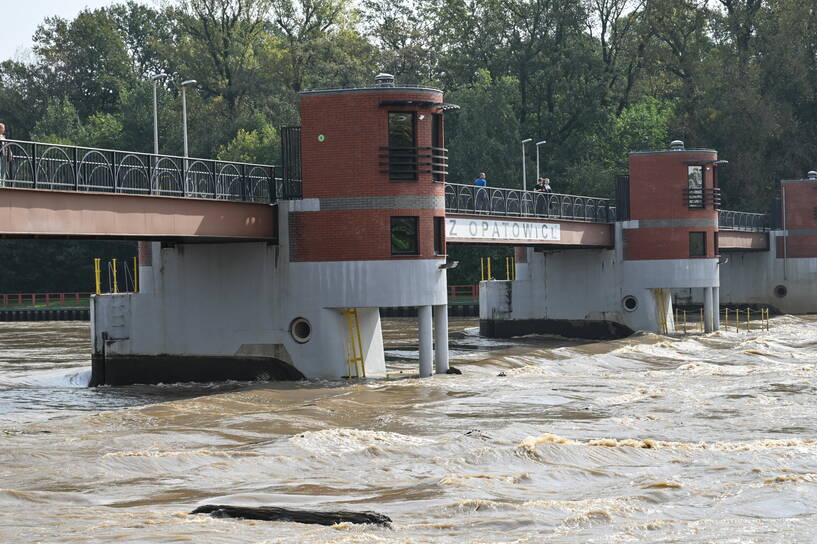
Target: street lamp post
<point>155,78</point>
<point>537,158</point>
<point>524,175</point>
<point>185,84</point>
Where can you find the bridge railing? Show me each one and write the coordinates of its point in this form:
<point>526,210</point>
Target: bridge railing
<point>472,199</point>
<point>35,165</point>
<point>747,221</point>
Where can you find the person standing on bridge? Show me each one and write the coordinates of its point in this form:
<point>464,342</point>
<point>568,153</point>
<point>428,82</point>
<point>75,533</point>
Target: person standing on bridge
<point>5,155</point>
<point>480,193</point>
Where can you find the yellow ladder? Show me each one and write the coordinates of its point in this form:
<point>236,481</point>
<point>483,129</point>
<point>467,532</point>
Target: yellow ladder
<point>661,309</point>
<point>354,347</point>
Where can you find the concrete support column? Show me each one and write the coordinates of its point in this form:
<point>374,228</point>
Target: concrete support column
<point>441,338</point>
<point>708,309</point>
<point>520,257</point>
<point>716,306</point>
<point>145,260</point>
<point>426,350</point>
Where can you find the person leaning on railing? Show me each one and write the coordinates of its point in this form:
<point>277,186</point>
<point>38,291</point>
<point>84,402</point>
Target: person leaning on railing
<point>543,185</point>
<point>6,156</point>
<point>480,191</point>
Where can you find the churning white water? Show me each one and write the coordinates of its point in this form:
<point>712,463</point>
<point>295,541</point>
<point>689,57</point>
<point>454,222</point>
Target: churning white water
<point>648,439</point>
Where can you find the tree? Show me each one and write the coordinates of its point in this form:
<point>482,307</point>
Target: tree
<point>85,60</point>
<point>215,42</point>
<point>484,135</point>
<point>260,146</point>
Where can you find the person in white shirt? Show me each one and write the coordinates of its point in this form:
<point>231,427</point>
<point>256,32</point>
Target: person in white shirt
<point>4,155</point>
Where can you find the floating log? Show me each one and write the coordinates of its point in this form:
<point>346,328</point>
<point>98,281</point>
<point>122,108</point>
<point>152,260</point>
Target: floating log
<point>273,513</point>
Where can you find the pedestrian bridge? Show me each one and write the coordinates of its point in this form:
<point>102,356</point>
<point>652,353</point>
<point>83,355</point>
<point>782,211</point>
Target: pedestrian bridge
<point>500,216</point>
<point>60,191</point>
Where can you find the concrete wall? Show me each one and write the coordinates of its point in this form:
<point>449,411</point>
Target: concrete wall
<point>582,292</point>
<point>752,277</point>
<point>238,300</point>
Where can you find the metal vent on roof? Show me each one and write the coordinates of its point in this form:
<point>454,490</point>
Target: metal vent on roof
<point>676,145</point>
<point>812,175</point>
<point>384,80</point>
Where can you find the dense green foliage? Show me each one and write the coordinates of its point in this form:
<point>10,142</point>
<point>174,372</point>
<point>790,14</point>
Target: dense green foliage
<point>595,78</point>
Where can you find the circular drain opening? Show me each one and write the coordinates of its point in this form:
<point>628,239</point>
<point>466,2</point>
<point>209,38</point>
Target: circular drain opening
<point>630,303</point>
<point>301,330</point>
<point>780,291</point>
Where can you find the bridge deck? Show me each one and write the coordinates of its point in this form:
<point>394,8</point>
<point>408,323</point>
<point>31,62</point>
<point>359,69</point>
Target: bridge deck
<point>29,213</point>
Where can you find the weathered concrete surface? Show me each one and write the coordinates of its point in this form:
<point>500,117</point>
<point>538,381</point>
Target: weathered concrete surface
<point>570,328</point>
<point>132,369</point>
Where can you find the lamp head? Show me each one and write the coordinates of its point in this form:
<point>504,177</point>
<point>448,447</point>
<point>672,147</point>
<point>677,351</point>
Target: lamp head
<point>156,77</point>
<point>189,82</point>
<point>526,140</point>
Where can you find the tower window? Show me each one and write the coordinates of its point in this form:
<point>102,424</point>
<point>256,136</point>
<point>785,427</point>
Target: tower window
<point>404,235</point>
<point>439,235</point>
<point>695,186</point>
<point>697,244</point>
<point>402,146</point>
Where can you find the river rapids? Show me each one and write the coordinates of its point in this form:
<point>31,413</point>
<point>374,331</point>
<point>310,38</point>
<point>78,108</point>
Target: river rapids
<point>691,439</point>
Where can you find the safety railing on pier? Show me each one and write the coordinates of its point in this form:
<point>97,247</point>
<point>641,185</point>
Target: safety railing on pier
<point>44,299</point>
<point>35,165</point>
<point>747,221</point>
<point>463,292</point>
<point>472,199</point>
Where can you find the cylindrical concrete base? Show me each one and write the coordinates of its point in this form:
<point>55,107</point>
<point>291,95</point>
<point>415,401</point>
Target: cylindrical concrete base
<point>716,307</point>
<point>441,338</point>
<point>426,349</point>
<point>145,267</point>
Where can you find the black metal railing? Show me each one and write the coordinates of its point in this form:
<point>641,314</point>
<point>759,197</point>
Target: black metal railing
<point>404,163</point>
<point>472,199</point>
<point>291,185</point>
<point>623,197</point>
<point>707,197</point>
<point>35,165</point>
<point>732,220</point>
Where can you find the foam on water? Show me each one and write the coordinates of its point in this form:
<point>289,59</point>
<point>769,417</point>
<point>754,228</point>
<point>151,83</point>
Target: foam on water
<point>693,439</point>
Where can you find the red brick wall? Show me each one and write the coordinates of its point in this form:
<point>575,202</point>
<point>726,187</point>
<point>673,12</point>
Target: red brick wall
<point>347,164</point>
<point>796,247</point>
<point>362,235</point>
<point>355,127</point>
<point>657,184</point>
<point>801,214</point>
<point>801,203</point>
<point>664,243</point>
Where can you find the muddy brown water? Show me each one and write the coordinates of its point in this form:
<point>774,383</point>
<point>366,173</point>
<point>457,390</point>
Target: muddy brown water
<point>647,439</point>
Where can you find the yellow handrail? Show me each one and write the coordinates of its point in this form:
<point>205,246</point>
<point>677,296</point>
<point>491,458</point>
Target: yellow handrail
<point>98,275</point>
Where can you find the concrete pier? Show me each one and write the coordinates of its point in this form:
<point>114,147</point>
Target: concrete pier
<point>707,309</point>
<point>425,348</point>
<point>441,338</point>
